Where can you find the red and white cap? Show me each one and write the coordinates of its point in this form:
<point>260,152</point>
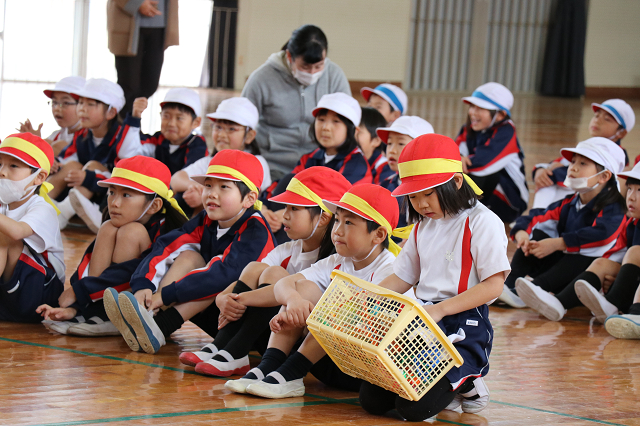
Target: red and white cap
<point>30,149</point>
<point>390,93</point>
<point>239,110</point>
<point>66,85</point>
<point>491,96</point>
<point>374,202</point>
<point>599,150</point>
<point>235,165</point>
<point>342,104</point>
<point>313,185</point>
<point>409,125</point>
<point>429,161</point>
<point>102,90</point>
<point>146,170</point>
<point>620,110</point>
<point>184,96</point>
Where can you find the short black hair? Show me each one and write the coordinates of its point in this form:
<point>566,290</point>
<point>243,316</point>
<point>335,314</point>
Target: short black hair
<point>350,142</point>
<point>309,42</point>
<point>372,226</point>
<point>632,181</point>
<point>180,107</point>
<point>372,120</point>
<point>244,189</point>
<point>253,146</point>
<point>452,200</point>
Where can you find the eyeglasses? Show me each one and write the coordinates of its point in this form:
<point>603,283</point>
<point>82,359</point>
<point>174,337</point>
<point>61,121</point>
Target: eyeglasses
<point>218,128</point>
<point>63,105</point>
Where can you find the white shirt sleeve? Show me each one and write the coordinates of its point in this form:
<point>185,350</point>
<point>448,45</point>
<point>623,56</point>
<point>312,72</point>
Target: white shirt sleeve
<point>407,264</point>
<point>40,216</point>
<point>320,272</point>
<point>199,167</point>
<point>278,255</point>
<point>72,157</point>
<point>382,272</point>
<point>488,245</point>
<point>131,145</point>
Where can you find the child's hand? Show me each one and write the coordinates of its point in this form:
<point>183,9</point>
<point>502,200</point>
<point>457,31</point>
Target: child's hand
<point>280,323</point>
<point>274,219</point>
<point>27,127</point>
<point>222,321</point>
<point>466,163</point>
<point>229,307</point>
<point>542,179</point>
<point>156,301</point>
<point>606,283</point>
<point>298,310</point>
<point>67,298</point>
<point>56,314</point>
<point>55,167</point>
<point>144,297</point>
<point>193,196</point>
<point>545,247</point>
<point>139,105</point>
<point>149,8</point>
<point>522,241</point>
<point>434,312</point>
<point>75,178</point>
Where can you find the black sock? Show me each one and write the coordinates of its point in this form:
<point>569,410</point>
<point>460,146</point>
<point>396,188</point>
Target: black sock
<point>624,287</point>
<point>228,331</point>
<point>568,296</point>
<point>634,309</point>
<point>168,321</point>
<point>295,367</point>
<point>271,360</point>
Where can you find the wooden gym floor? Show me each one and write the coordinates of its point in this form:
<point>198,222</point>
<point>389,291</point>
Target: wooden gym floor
<point>542,373</point>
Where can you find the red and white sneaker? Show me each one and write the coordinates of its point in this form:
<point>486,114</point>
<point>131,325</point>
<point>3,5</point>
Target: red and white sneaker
<point>231,367</point>
<point>203,355</point>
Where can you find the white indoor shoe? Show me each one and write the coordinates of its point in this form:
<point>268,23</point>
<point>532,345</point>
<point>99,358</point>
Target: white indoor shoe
<point>89,212</point>
<point>240,385</point>
<point>539,300</point>
<point>283,389</point>
<point>203,355</point>
<point>596,302</point>
<point>94,327</point>
<point>510,298</point>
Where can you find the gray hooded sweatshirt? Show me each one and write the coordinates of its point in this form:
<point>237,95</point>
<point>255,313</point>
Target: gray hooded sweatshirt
<point>285,109</point>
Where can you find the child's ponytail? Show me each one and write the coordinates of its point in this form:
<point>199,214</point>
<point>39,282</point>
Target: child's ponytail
<point>173,219</point>
<point>609,195</point>
<point>326,245</point>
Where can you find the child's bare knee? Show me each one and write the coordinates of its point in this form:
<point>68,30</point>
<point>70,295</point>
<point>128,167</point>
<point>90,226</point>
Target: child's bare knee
<point>272,274</point>
<point>192,258</point>
<point>94,165</point>
<point>131,231</point>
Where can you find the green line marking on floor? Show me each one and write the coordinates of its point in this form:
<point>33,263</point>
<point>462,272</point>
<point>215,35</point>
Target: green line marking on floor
<point>604,422</point>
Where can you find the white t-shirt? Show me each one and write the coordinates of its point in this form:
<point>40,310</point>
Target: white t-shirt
<point>200,168</point>
<point>450,255</point>
<point>43,220</point>
<point>291,252</point>
<point>379,269</point>
<point>61,135</point>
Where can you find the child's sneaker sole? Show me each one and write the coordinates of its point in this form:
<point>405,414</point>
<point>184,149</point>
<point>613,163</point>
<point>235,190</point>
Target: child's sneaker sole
<point>130,308</point>
<point>110,300</point>
<point>211,370</point>
<point>623,327</point>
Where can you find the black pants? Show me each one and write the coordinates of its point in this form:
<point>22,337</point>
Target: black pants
<point>376,400</point>
<point>139,75</point>
<point>552,273</point>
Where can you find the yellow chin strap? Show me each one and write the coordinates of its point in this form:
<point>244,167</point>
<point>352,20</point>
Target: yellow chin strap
<point>429,166</point>
<point>154,184</point>
<point>301,189</point>
<point>215,169</point>
<point>364,207</point>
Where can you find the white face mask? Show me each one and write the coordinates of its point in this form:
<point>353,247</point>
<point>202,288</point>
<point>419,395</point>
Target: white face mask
<point>13,190</point>
<point>305,78</point>
<point>580,185</point>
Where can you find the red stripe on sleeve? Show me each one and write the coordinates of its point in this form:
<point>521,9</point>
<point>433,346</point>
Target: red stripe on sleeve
<point>467,259</point>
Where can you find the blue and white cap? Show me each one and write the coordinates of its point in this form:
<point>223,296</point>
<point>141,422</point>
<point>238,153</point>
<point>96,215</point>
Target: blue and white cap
<point>492,96</point>
<point>390,93</point>
<point>620,110</point>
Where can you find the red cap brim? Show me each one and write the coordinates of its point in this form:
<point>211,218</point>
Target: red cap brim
<point>288,197</point>
<point>126,183</point>
<point>20,155</point>
<point>412,185</point>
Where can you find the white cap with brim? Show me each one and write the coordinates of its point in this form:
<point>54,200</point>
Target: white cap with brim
<point>633,173</point>
<point>66,85</point>
<point>390,93</point>
<point>184,96</point>
<point>620,110</point>
<point>601,151</point>
<point>238,110</point>
<point>342,104</point>
<point>491,96</point>
<point>409,125</point>
<point>102,90</point>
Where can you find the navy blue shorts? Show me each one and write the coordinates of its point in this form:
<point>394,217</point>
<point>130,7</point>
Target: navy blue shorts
<point>31,285</point>
<point>476,346</point>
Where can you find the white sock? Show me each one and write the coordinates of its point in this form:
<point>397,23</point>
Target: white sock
<point>65,207</point>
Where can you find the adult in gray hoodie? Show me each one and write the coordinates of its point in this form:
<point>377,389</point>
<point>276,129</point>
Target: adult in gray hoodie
<point>285,89</point>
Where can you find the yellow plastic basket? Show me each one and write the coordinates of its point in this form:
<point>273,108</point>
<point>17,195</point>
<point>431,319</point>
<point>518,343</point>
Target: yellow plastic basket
<point>381,336</point>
